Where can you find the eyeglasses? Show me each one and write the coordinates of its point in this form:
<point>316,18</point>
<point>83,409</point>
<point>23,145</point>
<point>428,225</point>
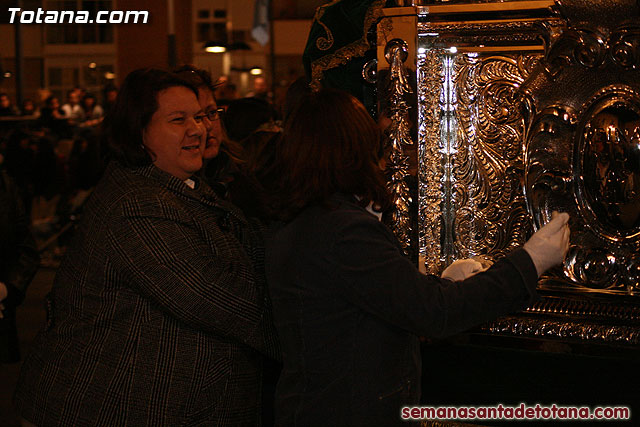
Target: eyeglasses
<point>214,115</point>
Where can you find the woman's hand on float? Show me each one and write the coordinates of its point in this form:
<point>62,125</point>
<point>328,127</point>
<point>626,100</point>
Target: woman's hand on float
<point>549,245</point>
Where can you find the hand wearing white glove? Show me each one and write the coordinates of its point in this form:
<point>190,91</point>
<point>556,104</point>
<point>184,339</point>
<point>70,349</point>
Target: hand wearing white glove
<point>549,245</point>
<point>462,269</point>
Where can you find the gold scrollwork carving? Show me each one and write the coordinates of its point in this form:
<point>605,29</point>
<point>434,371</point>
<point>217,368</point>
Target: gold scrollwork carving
<point>543,328</point>
<point>477,132</point>
<point>430,168</point>
<point>591,49</point>
<point>491,217</point>
<point>400,133</point>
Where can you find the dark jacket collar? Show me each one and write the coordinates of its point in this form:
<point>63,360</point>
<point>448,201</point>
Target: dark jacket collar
<point>342,197</point>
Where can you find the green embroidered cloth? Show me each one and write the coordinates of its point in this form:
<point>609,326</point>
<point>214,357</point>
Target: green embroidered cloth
<point>338,47</point>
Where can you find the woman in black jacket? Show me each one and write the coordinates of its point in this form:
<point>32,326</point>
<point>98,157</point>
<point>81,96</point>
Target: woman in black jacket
<point>348,306</point>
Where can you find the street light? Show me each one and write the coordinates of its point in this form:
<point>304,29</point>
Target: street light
<point>215,47</point>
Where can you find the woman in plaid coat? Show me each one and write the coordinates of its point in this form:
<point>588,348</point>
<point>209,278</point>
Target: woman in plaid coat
<point>159,313</point>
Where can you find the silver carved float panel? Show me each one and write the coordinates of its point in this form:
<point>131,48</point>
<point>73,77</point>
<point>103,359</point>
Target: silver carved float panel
<point>583,147</point>
<point>472,130</point>
<point>523,108</point>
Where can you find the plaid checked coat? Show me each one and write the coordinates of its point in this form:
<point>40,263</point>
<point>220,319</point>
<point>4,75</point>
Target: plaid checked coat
<point>158,313</point>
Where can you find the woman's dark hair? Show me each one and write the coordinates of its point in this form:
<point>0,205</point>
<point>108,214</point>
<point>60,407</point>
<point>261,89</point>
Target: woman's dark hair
<point>135,105</point>
<point>196,76</point>
<point>295,92</point>
<point>330,144</point>
<point>248,190</point>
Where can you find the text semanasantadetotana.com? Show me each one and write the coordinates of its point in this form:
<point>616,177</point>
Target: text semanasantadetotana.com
<point>521,412</point>
<point>41,16</point>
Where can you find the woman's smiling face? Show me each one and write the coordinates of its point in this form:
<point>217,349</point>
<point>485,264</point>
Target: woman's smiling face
<point>175,134</point>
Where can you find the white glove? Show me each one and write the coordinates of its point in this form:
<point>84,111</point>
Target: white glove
<point>461,269</point>
<point>549,245</point>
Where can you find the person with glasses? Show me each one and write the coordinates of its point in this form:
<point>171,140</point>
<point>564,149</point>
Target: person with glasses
<point>220,155</point>
<point>212,114</point>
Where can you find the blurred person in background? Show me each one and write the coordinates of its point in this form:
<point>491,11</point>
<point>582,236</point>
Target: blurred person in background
<point>6,106</point>
<point>159,312</point>
<point>260,90</point>
<point>85,169</point>
<point>85,165</point>
<point>72,110</point>
<point>82,92</point>
<point>19,163</point>
<point>92,111</point>
<point>50,189</point>
<point>49,172</point>
<point>109,95</point>
<point>52,119</point>
<point>51,109</point>
<point>19,261</point>
<point>225,91</point>
<point>29,108</point>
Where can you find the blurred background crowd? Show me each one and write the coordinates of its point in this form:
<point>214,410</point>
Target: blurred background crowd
<point>53,151</point>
